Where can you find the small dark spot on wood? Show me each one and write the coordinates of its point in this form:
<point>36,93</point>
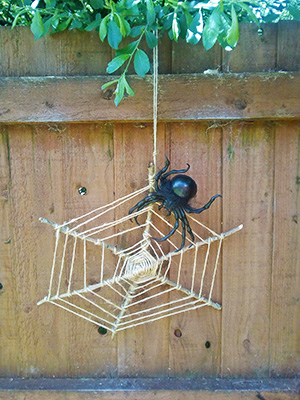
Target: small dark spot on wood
<point>51,209</point>
<point>102,331</point>
<point>107,94</point>
<point>259,396</point>
<point>79,54</point>
<point>240,104</point>
<point>297,180</point>
<point>1,286</point>
<point>207,344</point>
<point>82,191</point>
<point>295,219</point>
<point>27,309</point>
<point>5,112</point>
<point>5,194</point>
<point>246,344</point>
<point>178,333</point>
<point>49,104</point>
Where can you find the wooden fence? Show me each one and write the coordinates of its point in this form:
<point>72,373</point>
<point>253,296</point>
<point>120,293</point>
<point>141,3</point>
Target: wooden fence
<point>234,116</point>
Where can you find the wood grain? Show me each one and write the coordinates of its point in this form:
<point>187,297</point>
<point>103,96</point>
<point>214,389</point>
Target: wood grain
<point>201,148</point>
<point>198,96</point>
<point>254,52</point>
<point>189,59</point>
<point>285,295</point>
<point>288,51</point>
<point>9,343</point>
<point>248,164</point>
<point>142,351</point>
<point>47,164</point>
<point>64,53</point>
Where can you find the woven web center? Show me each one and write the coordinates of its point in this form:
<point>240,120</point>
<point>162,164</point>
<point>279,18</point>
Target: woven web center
<point>140,267</point>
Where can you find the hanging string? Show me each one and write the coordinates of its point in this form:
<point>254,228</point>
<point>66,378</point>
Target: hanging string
<point>155,100</point>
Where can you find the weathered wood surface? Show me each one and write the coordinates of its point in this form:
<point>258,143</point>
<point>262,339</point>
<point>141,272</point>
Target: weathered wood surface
<point>198,97</point>
<point>44,165</point>
<point>82,53</point>
<point>253,163</point>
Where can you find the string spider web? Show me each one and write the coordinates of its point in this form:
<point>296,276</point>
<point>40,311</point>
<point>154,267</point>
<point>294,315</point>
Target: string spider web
<point>109,270</point>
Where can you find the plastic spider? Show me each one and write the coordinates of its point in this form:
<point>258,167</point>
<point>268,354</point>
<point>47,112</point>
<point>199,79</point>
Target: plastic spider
<point>174,195</point>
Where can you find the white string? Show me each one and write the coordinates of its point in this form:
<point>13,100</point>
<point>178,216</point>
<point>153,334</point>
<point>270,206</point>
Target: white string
<point>155,100</point>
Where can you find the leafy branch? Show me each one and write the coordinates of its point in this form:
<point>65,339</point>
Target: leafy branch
<point>208,21</point>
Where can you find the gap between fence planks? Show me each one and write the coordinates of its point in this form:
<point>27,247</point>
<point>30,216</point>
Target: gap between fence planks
<point>181,97</point>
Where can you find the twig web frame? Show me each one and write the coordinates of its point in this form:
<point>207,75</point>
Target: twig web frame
<point>110,272</point>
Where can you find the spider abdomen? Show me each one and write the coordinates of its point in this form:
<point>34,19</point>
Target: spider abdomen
<point>184,186</point>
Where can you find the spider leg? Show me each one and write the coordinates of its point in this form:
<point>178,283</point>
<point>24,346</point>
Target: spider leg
<point>159,174</point>
<point>175,171</point>
<point>171,231</point>
<point>151,198</point>
<point>188,228</point>
<point>190,209</point>
<point>183,224</point>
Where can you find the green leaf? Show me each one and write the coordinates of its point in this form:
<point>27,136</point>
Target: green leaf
<point>103,28</point>
<point>119,92</point>
<point>107,84</point>
<point>151,39</point>
<point>175,28</point>
<point>128,88</point>
<point>47,26</point>
<point>17,17</point>
<point>63,25</point>
<point>121,24</point>
<point>114,35</point>
<point>141,63</point>
<point>249,12</point>
<point>96,4</point>
<point>212,29</point>
<point>233,33</point>
<point>76,24</point>
<point>128,49</point>
<point>50,3</point>
<point>37,26</point>
<point>295,12</point>
<point>93,25</point>
<point>116,63</point>
<point>150,12</point>
<point>127,27</point>
<point>188,17</point>
<point>136,30</point>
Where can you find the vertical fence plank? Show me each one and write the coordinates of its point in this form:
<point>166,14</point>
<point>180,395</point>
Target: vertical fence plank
<point>143,350</point>
<point>29,179</point>
<point>188,58</point>
<point>285,296</point>
<point>253,53</point>
<point>201,148</point>
<point>48,163</point>
<point>88,162</point>
<point>288,50</point>
<point>248,151</point>
<point>9,344</point>
<point>64,53</point>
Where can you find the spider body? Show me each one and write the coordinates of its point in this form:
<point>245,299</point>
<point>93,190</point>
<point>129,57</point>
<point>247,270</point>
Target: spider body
<point>174,195</point>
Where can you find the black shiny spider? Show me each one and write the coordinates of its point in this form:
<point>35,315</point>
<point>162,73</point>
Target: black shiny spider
<point>174,195</point>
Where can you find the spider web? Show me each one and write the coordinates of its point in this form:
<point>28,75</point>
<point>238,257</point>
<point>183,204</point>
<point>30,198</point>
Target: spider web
<point>112,272</point>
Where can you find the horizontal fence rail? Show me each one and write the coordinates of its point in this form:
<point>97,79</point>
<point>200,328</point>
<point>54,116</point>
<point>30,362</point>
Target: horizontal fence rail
<point>181,97</point>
